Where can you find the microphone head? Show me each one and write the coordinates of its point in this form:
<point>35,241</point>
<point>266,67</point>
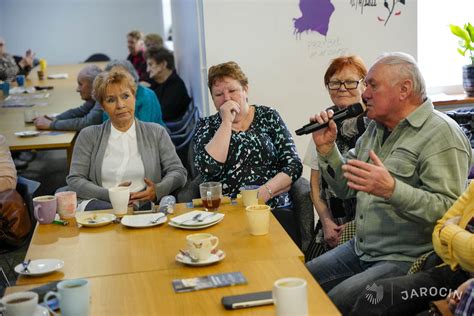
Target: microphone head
<point>355,109</point>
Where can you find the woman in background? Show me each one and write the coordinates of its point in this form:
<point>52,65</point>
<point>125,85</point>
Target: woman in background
<point>168,86</point>
<point>344,81</point>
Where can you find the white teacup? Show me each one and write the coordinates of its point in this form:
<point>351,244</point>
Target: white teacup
<point>19,304</point>
<point>119,197</point>
<point>202,245</point>
<point>290,297</point>
<point>258,218</point>
<point>73,296</point>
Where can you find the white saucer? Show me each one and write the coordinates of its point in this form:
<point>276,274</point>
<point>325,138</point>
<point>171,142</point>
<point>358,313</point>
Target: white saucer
<point>40,267</point>
<point>218,256</point>
<point>27,133</point>
<point>94,220</point>
<point>188,219</point>
<point>41,311</point>
<point>171,223</point>
<point>143,220</point>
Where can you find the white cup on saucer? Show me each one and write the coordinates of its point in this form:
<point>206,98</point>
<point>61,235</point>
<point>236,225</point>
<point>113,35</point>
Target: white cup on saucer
<point>73,296</point>
<point>202,245</point>
<point>19,304</point>
<point>290,297</point>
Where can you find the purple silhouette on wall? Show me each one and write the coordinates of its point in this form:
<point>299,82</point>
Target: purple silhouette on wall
<point>315,16</point>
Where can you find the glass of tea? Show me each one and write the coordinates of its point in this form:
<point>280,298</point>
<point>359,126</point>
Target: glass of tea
<point>211,193</point>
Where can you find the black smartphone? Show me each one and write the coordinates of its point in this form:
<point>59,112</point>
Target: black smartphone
<point>247,300</point>
<point>44,87</point>
<point>143,207</point>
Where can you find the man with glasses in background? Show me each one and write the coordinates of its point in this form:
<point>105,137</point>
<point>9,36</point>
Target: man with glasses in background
<point>406,170</point>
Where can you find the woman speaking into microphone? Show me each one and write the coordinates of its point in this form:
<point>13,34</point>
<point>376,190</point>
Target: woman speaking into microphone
<point>344,80</point>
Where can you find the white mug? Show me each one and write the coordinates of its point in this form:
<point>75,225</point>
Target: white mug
<point>19,304</point>
<point>73,296</point>
<point>119,197</point>
<point>290,297</point>
<point>202,245</point>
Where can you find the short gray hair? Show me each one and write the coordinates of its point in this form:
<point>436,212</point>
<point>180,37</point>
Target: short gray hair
<point>407,68</point>
<point>89,72</point>
<point>127,65</point>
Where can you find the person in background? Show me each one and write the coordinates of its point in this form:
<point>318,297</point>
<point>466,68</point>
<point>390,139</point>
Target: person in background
<point>123,150</point>
<point>153,40</point>
<point>453,241</point>
<point>147,107</point>
<point>246,144</point>
<point>406,170</point>
<point>7,167</point>
<point>10,68</point>
<point>344,81</point>
<point>136,54</point>
<point>168,86</point>
<point>89,113</point>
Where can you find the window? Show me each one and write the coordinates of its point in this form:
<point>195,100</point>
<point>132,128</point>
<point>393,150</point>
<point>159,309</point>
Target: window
<point>438,58</point>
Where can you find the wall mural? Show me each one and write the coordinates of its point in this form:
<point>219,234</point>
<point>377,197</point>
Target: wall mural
<point>315,14</point>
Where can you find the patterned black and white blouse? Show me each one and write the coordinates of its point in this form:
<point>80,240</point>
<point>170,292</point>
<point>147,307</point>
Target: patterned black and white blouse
<point>255,156</point>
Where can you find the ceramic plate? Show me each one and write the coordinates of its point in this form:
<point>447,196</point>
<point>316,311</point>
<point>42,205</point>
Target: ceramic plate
<point>27,133</point>
<point>188,219</point>
<point>41,311</point>
<point>40,266</point>
<point>144,220</point>
<point>171,223</point>
<point>218,256</point>
<point>94,220</point>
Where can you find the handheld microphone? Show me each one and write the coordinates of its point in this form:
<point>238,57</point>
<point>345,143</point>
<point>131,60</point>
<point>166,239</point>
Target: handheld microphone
<point>339,116</point>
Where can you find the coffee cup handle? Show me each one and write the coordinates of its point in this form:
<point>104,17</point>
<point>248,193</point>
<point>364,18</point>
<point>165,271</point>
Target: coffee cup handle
<point>215,240</point>
<point>49,295</point>
<point>36,209</point>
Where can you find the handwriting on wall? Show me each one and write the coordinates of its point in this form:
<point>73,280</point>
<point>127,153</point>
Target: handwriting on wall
<point>328,47</point>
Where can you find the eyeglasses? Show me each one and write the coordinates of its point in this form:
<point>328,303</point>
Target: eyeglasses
<point>348,84</point>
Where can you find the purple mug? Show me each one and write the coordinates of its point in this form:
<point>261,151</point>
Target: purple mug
<point>45,208</point>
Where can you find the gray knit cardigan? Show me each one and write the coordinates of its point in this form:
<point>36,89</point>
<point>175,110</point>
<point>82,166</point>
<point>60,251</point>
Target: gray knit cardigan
<point>162,164</point>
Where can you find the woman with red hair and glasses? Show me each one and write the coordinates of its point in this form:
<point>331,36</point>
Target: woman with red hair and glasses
<point>344,80</point>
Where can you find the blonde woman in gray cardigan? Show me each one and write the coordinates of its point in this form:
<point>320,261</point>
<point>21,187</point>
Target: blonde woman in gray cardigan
<point>123,150</point>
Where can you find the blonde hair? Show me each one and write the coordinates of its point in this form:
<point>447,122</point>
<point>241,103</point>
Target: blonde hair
<point>136,35</point>
<point>107,78</point>
<point>154,40</point>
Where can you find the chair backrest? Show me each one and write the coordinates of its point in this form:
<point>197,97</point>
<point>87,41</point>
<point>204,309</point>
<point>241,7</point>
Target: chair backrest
<point>182,131</point>
<point>26,188</point>
<point>97,57</point>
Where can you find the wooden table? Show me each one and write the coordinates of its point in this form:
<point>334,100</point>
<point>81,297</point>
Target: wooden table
<point>131,270</point>
<point>88,252</point>
<point>61,98</point>
<point>151,293</point>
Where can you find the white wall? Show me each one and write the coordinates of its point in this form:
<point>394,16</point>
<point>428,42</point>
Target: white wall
<point>68,31</point>
<point>285,70</point>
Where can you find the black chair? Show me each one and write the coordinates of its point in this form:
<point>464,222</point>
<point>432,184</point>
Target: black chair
<point>181,133</point>
<point>97,57</point>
